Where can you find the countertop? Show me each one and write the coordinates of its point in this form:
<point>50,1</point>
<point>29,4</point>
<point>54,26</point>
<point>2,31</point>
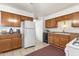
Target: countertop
<point>9,33</point>
<point>70,44</point>
<point>69,33</point>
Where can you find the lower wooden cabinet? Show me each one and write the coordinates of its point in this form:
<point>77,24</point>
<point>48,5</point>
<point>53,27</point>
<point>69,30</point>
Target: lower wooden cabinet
<point>64,39</point>
<point>50,41</point>
<point>9,42</point>
<point>58,39</point>
<point>5,44</point>
<point>16,43</point>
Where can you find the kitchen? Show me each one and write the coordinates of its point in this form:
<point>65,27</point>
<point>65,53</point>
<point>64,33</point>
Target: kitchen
<point>21,31</point>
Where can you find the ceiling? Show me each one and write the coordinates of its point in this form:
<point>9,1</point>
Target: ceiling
<point>41,9</point>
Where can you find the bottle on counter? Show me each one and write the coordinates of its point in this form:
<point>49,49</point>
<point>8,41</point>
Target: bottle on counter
<point>11,31</point>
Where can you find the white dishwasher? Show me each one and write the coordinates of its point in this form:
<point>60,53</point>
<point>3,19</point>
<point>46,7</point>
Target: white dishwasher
<point>71,49</point>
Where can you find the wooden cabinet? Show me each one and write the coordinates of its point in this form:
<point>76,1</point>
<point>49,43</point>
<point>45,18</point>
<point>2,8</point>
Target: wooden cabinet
<point>64,17</point>
<point>10,19</point>
<point>51,23</point>
<point>9,42</point>
<point>50,38</point>
<point>23,18</point>
<point>16,43</point>
<point>64,39</point>
<point>75,19</point>
<point>58,39</point>
<point>75,16</point>
<point>47,23</point>
<point>13,20</point>
<point>5,44</point>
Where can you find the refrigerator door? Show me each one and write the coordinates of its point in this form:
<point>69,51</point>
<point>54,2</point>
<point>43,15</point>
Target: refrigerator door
<point>29,24</point>
<point>29,37</point>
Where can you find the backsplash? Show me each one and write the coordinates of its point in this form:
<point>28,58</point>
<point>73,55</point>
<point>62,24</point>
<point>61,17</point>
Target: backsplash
<point>8,28</point>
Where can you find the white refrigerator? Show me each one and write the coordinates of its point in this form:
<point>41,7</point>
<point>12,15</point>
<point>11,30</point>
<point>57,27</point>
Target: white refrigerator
<point>29,34</point>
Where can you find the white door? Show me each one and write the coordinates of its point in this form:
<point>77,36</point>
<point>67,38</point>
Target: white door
<point>39,30</point>
<point>29,37</point>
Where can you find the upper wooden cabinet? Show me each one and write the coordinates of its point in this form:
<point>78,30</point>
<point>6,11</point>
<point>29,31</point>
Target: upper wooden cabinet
<point>75,16</point>
<point>75,19</point>
<point>51,23</point>
<point>10,19</point>
<point>23,18</point>
<point>63,18</point>
<point>13,20</point>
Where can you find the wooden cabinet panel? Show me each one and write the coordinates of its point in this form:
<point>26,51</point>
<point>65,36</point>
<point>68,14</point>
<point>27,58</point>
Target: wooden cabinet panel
<point>18,22</point>
<point>75,19</point>
<point>47,23</point>
<point>4,19</point>
<point>13,20</point>
<point>10,19</point>
<point>23,18</point>
<point>58,39</point>
<point>9,42</point>
<point>16,43</point>
<point>64,17</point>
<point>50,38</point>
<point>54,23</point>
<point>5,44</point>
<point>63,40</point>
<point>51,23</point>
<point>75,15</point>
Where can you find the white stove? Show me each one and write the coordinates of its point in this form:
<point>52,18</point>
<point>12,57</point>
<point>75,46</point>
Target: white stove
<point>72,48</point>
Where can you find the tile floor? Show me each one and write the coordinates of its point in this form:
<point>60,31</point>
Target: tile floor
<point>22,51</point>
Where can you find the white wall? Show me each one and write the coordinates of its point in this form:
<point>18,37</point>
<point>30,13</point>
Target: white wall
<point>64,12</point>
<point>14,10</point>
<point>39,29</point>
<point>69,28</point>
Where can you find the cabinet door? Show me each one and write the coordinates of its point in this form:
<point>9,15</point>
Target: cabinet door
<point>47,23</point>
<point>63,41</point>
<point>50,38</point>
<point>75,15</point>
<point>75,19</point>
<point>23,18</point>
<point>5,44</point>
<point>16,43</point>
<point>5,19</point>
<point>10,19</point>
<point>26,18</point>
<point>53,23</point>
<point>56,39</point>
<point>17,22</point>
